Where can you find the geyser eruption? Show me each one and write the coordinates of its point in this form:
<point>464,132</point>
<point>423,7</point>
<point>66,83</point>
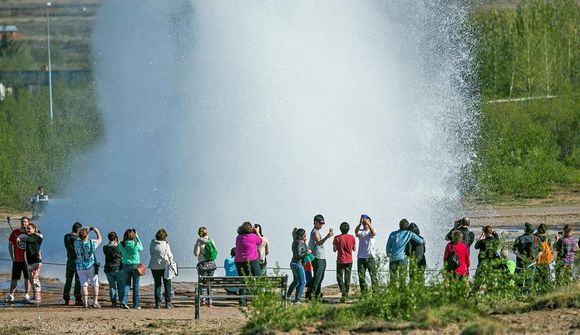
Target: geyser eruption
<point>272,112</point>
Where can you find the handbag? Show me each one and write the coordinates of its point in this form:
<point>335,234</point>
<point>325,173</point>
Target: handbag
<point>171,270</point>
<point>140,270</point>
<point>206,266</point>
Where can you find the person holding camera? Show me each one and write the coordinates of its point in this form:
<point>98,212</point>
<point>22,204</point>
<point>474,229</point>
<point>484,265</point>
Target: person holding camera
<point>86,264</point>
<point>366,255</point>
<point>130,248</point>
<point>488,246</point>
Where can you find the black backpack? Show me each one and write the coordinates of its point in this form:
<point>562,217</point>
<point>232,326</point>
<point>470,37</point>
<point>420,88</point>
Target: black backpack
<point>452,261</point>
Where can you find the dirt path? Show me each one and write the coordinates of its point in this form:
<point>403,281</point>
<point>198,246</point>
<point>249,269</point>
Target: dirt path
<point>77,320</point>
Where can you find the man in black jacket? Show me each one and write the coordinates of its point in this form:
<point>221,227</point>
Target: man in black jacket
<point>463,226</point>
<point>71,272</point>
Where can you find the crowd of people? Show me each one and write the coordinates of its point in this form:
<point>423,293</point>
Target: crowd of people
<point>405,250</point>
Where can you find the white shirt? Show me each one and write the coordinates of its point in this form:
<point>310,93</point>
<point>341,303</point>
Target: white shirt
<point>366,243</point>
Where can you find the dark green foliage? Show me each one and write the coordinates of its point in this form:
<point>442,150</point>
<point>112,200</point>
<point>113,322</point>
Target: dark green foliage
<point>530,51</point>
<point>36,152</point>
<point>528,147</point>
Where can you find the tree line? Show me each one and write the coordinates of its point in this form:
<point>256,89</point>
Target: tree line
<point>528,146</point>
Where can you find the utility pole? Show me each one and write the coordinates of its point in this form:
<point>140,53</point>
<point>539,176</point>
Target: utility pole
<point>49,63</point>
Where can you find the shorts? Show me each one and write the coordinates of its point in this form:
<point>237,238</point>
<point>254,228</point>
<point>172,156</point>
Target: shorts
<point>19,268</point>
<point>88,277</point>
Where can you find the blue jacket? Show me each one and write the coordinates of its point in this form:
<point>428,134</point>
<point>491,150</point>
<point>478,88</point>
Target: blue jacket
<point>398,241</point>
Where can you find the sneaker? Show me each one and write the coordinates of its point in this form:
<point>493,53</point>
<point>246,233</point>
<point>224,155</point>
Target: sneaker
<point>137,308</point>
<point>32,301</point>
<point>96,305</point>
<point>27,296</point>
<point>124,306</point>
<point>79,303</point>
<point>69,303</point>
<point>158,306</point>
<point>9,298</point>
<point>169,305</point>
<point>86,306</point>
<point>114,304</point>
<point>296,303</point>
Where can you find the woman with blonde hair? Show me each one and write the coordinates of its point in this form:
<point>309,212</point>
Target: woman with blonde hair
<point>85,263</point>
<point>205,267</point>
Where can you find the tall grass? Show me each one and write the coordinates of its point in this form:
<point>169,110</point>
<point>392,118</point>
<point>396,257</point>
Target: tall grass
<point>442,301</point>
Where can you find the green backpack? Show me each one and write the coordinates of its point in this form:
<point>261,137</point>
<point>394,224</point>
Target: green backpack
<point>210,251</point>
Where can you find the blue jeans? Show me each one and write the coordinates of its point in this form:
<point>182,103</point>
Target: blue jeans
<point>116,285</point>
<point>130,277</point>
<point>298,282</point>
<point>157,279</point>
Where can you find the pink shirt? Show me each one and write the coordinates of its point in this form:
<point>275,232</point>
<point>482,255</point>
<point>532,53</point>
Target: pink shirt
<point>247,247</point>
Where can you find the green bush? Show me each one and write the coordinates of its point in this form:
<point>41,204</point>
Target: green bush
<point>528,147</point>
<point>36,151</point>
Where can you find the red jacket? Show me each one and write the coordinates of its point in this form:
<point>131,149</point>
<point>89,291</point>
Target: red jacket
<point>462,253</point>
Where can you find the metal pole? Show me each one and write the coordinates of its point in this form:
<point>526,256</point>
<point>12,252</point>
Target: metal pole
<point>49,63</point>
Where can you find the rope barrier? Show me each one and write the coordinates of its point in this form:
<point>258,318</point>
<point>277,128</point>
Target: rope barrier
<point>430,270</point>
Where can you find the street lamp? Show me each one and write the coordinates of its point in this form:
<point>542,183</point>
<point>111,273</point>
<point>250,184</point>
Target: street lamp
<point>49,63</point>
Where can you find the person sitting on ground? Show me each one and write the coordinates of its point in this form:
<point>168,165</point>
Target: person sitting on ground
<point>17,251</point>
<point>366,255</point>
<point>396,245</point>
<point>263,249</point>
<point>33,240</point>
<point>565,248</point>
<point>71,267</point>
<point>462,253</point>
<point>231,271</point>
<point>130,248</point>
<point>344,244</point>
<point>85,250</point>
<point>115,276</point>
<point>161,257</point>
<point>463,226</point>
<point>416,251</point>
<point>299,253</point>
